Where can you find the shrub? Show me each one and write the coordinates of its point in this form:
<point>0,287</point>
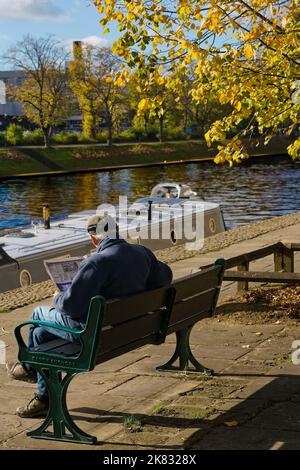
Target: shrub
<point>174,133</point>
<point>14,134</point>
<point>152,132</point>
<point>33,137</point>
<point>82,139</point>
<point>2,138</point>
<point>196,133</point>
<point>134,134</point>
<point>129,135</point>
<point>102,137</point>
<point>65,138</point>
<point>117,139</point>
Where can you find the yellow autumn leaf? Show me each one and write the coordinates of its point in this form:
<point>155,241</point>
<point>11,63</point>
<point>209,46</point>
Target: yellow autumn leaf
<point>248,50</point>
<point>108,80</point>
<point>143,105</point>
<point>195,55</point>
<point>231,424</point>
<point>208,138</point>
<point>223,98</point>
<point>160,80</point>
<point>130,16</point>
<point>214,20</point>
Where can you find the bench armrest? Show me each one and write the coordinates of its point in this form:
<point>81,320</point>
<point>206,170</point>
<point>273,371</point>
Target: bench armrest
<point>43,323</point>
<point>88,338</point>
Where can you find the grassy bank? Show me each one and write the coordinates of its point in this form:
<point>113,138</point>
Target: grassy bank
<point>22,161</point>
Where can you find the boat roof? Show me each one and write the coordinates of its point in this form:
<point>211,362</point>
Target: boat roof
<point>72,230</point>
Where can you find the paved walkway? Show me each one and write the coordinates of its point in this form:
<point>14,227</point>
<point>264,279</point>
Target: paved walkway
<point>251,403</point>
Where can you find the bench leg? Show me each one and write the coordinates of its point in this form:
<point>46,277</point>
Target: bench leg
<point>64,428</point>
<point>184,354</point>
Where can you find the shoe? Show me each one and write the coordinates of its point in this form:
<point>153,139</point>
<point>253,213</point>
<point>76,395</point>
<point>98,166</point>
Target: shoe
<point>18,372</point>
<point>36,408</point>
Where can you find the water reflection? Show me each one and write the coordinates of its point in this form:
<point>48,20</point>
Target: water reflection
<point>252,191</point>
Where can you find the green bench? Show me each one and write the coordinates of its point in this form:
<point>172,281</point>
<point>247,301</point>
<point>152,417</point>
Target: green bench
<point>114,328</point>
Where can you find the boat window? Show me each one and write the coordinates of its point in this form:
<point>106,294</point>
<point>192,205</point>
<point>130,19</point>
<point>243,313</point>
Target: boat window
<point>20,235</point>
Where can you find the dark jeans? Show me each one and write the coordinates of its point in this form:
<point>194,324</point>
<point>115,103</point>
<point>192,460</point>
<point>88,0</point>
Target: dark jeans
<point>40,334</point>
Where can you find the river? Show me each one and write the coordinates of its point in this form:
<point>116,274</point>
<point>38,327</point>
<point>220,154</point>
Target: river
<point>255,190</point>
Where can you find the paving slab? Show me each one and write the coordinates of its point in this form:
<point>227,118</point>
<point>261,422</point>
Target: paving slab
<point>283,416</point>
<point>140,386</point>
<point>248,368</point>
<point>245,438</point>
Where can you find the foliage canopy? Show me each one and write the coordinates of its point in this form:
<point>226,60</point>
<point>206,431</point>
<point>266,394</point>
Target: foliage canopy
<point>244,53</point>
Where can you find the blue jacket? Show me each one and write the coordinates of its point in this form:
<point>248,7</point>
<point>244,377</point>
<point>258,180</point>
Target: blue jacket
<point>118,269</point>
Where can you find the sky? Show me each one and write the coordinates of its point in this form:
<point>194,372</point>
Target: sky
<point>68,20</point>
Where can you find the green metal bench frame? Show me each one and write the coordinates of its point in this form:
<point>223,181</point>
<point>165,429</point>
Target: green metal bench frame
<point>50,366</point>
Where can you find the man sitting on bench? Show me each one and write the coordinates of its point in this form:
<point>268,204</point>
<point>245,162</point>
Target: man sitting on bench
<point>117,269</point>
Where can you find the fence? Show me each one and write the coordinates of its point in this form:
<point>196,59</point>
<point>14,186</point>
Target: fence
<point>283,253</point>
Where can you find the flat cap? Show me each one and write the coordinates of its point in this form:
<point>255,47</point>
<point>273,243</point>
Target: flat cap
<point>99,224</point>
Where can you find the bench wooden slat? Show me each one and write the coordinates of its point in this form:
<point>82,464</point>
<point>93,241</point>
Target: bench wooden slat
<point>124,337</point>
<point>130,331</point>
<point>200,281</point>
<point>188,321</point>
<point>193,305</point>
<point>256,276</point>
<point>60,347</point>
<point>107,356</point>
<point>122,310</point>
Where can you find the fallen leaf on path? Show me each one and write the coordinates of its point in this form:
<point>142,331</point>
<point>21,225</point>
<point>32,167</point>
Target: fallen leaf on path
<point>231,424</point>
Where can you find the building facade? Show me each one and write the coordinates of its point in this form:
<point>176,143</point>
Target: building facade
<point>8,107</point>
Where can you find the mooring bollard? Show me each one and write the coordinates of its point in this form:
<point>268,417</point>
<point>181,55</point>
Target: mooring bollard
<point>46,216</point>
<point>150,211</point>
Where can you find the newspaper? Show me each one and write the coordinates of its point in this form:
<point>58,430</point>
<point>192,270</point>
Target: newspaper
<point>62,271</point>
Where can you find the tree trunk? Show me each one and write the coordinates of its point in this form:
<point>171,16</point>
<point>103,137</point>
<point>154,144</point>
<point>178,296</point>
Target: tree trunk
<point>161,128</point>
<point>185,122</point>
<point>145,125</point>
<point>109,132</point>
<point>46,135</point>
<point>110,136</point>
